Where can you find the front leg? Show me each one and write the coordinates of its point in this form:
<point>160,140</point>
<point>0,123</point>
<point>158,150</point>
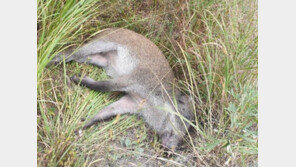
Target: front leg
<point>124,105</point>
<point>170,140</point>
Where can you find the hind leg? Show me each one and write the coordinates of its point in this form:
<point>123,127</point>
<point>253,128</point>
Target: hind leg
<point>116,84</point>
<point>95,53</point>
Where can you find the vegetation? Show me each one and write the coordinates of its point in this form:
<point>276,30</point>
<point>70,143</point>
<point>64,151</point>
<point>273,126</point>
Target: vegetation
<point>211,46</point>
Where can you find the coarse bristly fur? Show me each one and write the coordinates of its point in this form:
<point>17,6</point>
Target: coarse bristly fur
<point>138,68</point>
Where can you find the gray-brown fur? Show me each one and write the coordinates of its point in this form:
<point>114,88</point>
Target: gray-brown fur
<point>138,68</point>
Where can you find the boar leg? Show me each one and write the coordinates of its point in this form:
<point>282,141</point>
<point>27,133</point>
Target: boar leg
<point>170,140</point>
<point>95,53</point>
<point>116,84</point>
<point>124,105</point>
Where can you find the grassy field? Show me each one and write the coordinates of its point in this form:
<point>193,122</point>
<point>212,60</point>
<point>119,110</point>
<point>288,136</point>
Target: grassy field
<point>211,46</point>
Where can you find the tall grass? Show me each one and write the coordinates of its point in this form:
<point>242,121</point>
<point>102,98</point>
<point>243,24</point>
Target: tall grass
<point>59,24</point>
<point>212,48</point>
<point>219,64</point>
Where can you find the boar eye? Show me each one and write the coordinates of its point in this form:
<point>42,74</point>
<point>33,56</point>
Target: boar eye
<point>181,101</point>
